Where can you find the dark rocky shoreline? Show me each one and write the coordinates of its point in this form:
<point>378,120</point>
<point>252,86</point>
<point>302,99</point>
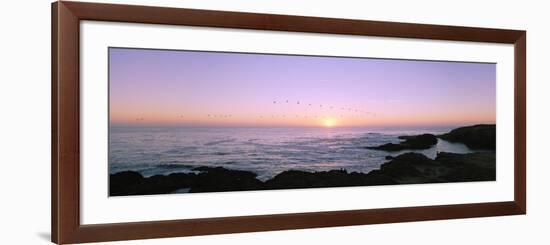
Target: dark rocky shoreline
<point>411,142</point>
<point>481,136</point>
<point>407,168</point>
<point>477,137</point>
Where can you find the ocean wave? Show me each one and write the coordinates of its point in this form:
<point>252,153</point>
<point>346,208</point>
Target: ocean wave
<point>217,142</point>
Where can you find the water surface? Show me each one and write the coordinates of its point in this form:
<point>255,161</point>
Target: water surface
<point>265,151</point>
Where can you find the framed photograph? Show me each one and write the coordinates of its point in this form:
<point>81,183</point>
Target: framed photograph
<point>177,122</point>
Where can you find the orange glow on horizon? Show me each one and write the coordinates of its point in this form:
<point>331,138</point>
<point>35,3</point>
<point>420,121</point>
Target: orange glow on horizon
<point>157,118</point>
<point>293,116</point>
<point>329,122</point>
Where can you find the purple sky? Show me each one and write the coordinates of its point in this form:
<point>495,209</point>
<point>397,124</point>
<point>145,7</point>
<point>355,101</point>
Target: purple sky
<point>190,88</point>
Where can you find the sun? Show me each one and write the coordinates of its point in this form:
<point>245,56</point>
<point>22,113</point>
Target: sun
<point>328,122</point>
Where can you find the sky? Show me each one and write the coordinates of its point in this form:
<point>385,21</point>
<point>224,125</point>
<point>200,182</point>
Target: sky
<point>196,88</point>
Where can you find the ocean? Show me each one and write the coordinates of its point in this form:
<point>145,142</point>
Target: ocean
<point>265,151</point>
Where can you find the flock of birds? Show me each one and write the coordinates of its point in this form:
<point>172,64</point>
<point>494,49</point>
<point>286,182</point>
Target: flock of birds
<point>331,110</point>
<point>330,107</point>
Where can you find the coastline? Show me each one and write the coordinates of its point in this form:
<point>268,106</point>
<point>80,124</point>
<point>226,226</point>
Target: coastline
<point>406,168</point>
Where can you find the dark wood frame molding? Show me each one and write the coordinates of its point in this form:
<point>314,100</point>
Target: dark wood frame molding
<point>66,17</point>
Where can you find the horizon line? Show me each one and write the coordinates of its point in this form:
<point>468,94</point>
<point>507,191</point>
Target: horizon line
<point>292,126</point>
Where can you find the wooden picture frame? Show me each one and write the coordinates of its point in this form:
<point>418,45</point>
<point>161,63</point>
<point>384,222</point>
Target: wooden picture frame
<point>66,226</point>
